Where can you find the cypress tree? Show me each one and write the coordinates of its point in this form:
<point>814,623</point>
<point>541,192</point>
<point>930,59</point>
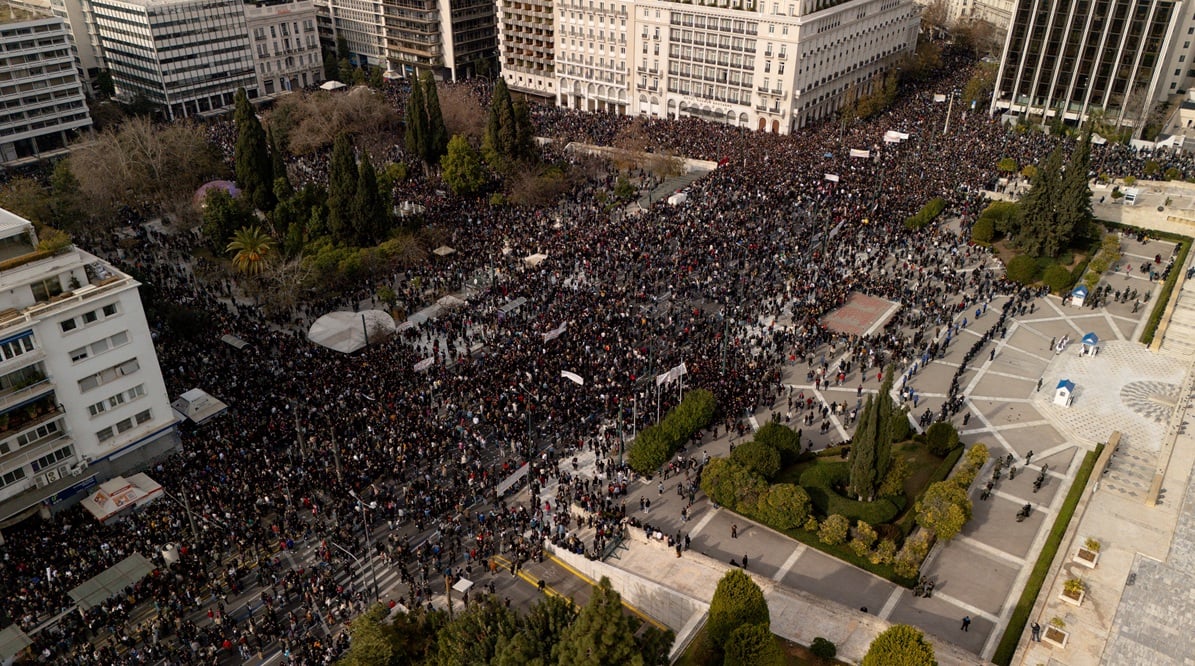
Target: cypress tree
<point>885,412</point>
<point>416,138</point>
<point>1038,206</point>
<point>277,159</point>
<point>254,170</point>
<point>1074,202</point>
<point>437,134</point>
<point>369,213</point>
<point>862,459</point>
<point>342,189</point>
<point>524,132</point>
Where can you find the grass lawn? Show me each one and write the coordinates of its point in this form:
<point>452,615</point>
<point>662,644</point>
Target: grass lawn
<point>702,653</point>
<point>1020,615</point>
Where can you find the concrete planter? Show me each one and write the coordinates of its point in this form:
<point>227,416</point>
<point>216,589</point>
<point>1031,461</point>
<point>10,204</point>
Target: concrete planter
<point>1075,599</point>
<point>1055,636</point>
<point>1087,557</point>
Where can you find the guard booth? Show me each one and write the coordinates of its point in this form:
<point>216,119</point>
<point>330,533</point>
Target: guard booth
<point>1064,393</point>
<point>1131,194</point>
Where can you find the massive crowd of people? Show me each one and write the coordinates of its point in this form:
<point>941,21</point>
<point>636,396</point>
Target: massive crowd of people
<point>734,283</point>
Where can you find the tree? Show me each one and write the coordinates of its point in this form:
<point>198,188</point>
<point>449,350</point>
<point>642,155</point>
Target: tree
<point>834,530</point>
<point>26,197</point>
<point>524,132</point>
<point>732,485</point>
<point>416,119</point>
<point>1074,203</point>
<point>254,169</point>
<point>251,249</point>
<point>865,535</point>
<point>759,458</point>
<point>278,162</point>
<point>331,66</point>
<point>737,601</point>
<point>437,135</point>
<point>752,645</point>
<point>784,506</point>
<point>782,438</point>
<point>602,634</point>
<point>464,171</point>
<point>501,131</point>
<point>223,215</point>
<point>377,77</point>
<point>900,645</point>
<point>64,188</point>
<point>473,635</point>
<point>863,451</point>
<point>1039,235</point>
<point>539,633</point>
<point>343,177</point>
<point>944,508</point>
<point>941,438</point>
<point>372,640</point>
<point>370,211</point>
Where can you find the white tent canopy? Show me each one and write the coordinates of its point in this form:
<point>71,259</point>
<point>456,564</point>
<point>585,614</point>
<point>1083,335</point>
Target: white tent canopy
<point>346,331</point>
<point>198,406</point>
<point>535,259</point>
<point>443,251</point>
<point>332,85</point>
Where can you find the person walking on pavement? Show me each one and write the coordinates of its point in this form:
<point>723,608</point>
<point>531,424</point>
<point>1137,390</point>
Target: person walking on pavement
<point>744,562</point>
<point>1036,631</point>
<point>734,531</point>
<point>966,623</point>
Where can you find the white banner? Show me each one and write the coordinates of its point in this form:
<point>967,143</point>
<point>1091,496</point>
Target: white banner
<point>939,98</point>
<point>860,153</point>
<point>662,378</point>
<point>892,136</point>
<point>832,177</point>
<point>572,377</point>
<point>555,333</point>
<point>424,364</point>
<point>679,371</point>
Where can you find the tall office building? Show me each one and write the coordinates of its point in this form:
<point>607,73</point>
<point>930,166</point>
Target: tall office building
<point>525,29</point>
<point>770,65</point>
<point>362,26</point>
<point>41,98</point>
<point>81,394</point>
<point>286,47</point>
<point>186,56</point>
<point>1073,58</point>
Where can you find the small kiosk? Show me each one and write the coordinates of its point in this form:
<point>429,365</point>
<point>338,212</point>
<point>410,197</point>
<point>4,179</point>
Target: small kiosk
<point>1091,345</point>
<point>1078,296</point>
<point>1064,393</point>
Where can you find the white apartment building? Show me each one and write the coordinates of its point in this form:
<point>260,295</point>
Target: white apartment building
<point>525,28</point>
<point>360,23</point>
<point>768,65</point>
<point>81,394</point>
<point>187,56</point>
<point>42,105</point>
<point>286,47</point>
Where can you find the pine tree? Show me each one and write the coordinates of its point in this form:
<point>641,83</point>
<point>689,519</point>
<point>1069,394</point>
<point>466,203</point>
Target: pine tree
<point>862,460</point>
<point>1074,201</point>
<point>342,189</point>
<point>437,134</point>
<point>601,634</point>
<point>737,601</point>
<point>254,170</point>
<point>1039,218</point>
<point>369,211</point>
<point>416,138</point>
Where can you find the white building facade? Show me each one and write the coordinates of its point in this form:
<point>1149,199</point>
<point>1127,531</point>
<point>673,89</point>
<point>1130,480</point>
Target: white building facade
<point>186,56</point>
<point>526,30</point>
<point>81,394</point>
<point>769,66</point>
<point>286,46</point>
<point>42,105</point>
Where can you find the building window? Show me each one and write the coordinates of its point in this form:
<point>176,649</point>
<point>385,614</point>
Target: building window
<point>14,348</point>
<point>51,458</point>
<point>68,325</point>
<point>44,290</point>
<point>12,477</point>
<point>105,434</point>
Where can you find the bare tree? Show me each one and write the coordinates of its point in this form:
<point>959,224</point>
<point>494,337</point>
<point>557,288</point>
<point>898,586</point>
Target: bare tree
<point>935,17</point>
<point>306,122</point>
<point>462,111</point>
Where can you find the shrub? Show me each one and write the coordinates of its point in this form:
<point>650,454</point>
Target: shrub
<point>784,506</point>
<point>944,508</point>
<point>1023,269</point>
<point>1007,164</point>
<point>900,645</point>
<point>894,480</point>
<point>977,456</point>
<point>834,530</point>
<point>865,535</point>
<point>819,480</point>
<point>884,552</point>
<point>941,438</point>
<point>823,648</point>
<point>737,601</point>
<point>759,458</point>
<point>781,438</point>
<point>899,425</point>
<point>931,210</point>
<point>908,560</point>
<point>656,444</point>
<point>732,485</point>
<point>811,525</point>
<point>752,645</point>
<point>983,231</point>
<point>1173,174</point>
<point>1057,278</point>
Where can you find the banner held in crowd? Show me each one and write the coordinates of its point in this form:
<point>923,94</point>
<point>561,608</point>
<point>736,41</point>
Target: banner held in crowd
<point>573,377</point>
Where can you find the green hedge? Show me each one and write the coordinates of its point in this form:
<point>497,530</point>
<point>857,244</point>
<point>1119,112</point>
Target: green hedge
<point>653,446</point>
<point>819,481</point>
<point>1020,615</point>
<point>932,209</point>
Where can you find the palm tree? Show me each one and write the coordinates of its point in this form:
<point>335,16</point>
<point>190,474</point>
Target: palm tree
<point>252,247</point>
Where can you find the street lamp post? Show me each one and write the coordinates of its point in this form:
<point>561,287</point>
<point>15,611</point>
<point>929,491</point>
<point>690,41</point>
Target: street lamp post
<point>373,572</point>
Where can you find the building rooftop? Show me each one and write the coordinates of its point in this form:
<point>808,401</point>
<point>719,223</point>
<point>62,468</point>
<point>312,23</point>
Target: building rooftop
<point>11,14</point>
<point>10,220</point>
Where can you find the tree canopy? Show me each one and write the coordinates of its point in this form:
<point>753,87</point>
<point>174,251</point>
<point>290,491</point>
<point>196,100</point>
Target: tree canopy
<point>900,645</point>
<point>602,634</point>
<point>737,601</point>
